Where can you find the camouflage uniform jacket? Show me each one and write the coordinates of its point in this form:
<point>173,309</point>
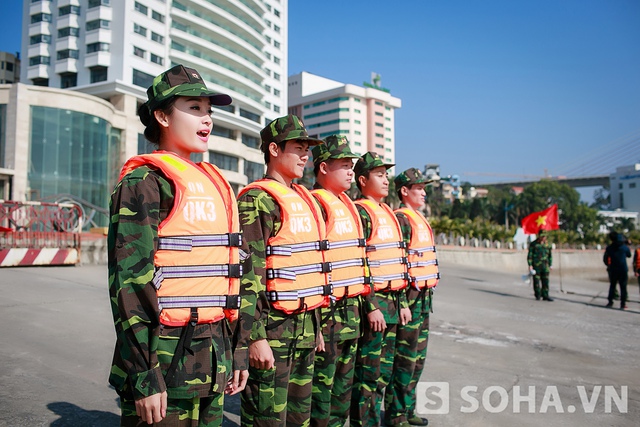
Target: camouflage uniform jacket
<point>419,301</point>
<point>539,257</point>
<point>260,219</point>
<point>344,314</point>
<point>138,204</point>
<point>389,303</point>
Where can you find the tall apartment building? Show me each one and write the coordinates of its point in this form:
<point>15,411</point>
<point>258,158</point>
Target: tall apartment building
<point>112,49</point>
<point>9,68</point>
<point>365,115</point>
<point>624,188</point>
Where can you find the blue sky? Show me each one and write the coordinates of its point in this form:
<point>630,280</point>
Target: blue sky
<point>505,87</point>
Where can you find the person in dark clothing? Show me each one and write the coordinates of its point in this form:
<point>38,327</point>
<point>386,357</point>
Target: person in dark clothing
<point>615,258</point>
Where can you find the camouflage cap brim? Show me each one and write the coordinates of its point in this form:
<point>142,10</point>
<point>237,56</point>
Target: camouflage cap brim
<point>194,90</point>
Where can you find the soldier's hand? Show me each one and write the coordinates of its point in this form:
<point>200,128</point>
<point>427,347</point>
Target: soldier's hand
<point>320,347</point>
<point>152,409</point>
<point>376,321</point>
<point>237,383</point>
<point>405,316</point>
<point>261,355</point>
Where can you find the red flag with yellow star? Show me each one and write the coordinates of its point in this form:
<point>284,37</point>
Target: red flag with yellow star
<point>543,220</point>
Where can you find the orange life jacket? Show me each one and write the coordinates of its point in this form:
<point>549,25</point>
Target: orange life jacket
<point>421,252</point>
<point>347,254</point>
<point>385,248</point>
<point>637,258</point>
<point>296,269</point>
<point>197,269</point>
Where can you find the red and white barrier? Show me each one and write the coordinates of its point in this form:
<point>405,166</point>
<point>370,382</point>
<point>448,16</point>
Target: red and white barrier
<point>46,256</point>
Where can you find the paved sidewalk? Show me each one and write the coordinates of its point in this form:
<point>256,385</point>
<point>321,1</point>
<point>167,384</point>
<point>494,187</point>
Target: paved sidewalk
<point>487,332</point>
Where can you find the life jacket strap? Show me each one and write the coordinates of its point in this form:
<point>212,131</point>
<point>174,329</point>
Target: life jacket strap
<point>323,290</point>
<point>423,263</point>
<point>426,277</point>
<point>378,263</point>
<point>224,301</point>
<point>364,280</point>
<point>356,243</point>
<point>288,250</point>
<point>187,243</point>
<point>290,273</point>
<point>420,251</point>
<point>390,277</point>
<point>213,270</point>
<point>380,246</point>
<point>357,262</point>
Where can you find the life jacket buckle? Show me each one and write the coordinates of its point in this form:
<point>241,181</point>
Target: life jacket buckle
<point>233,301</point>
<point>235,239</point>
<point>235,271</point>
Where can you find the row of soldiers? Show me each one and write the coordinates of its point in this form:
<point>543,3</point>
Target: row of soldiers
<point>312,306</point>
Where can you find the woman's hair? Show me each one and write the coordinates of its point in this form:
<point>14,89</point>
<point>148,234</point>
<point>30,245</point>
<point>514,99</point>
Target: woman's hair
<point>152,131</point>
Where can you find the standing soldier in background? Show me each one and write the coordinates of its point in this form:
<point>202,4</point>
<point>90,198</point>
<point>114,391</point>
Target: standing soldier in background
<point>174,268</point>
<point>412,338</point>
<point>285,232</point>
<point>540,260</point>
<point>615,258</point>
<point>388,305</point>
<point>340,322</point>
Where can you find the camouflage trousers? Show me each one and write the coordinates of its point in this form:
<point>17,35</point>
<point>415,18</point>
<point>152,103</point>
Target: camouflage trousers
<point>374,365</point>
<point>544,278</point>
<point>280,396</point>
<point>411,353</point>
<point>333,383</point>
<point>195,412</point>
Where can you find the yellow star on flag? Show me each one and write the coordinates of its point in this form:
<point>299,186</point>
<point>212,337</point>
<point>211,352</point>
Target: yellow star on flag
<point>541,220</point>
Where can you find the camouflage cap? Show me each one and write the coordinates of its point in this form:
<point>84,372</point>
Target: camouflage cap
<point>334,147</point>
<point>285,128</point>
<point>369,160</point>
<point>409,177</point>
<point>181,81</point>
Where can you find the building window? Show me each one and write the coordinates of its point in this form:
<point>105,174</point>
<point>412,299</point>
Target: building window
<point>39,60</point>
<point>379,135</point>
<point>387,108</point>
<point>68,80</point>
<point>253,171</point>
<point>358,144</point>
<point>224,161</point>
<point>379,146</point>
<point>250,141</point>
<point>9,67</point>
<point>276,59</point>
<point>139,52</point>
<point>379,114</point>
<point>357,111</point>
<point>267,104</point>
<point>98,47</point>
<point>380,125</point>
<point>632,185</point>
<point>276,29</point>
<point>96,3</point>
<point>139,29</point>
<point>98,23</point>
<point>276,12</point>
<point>276,44</point>
<point>276,76</point>
<point>276,92</point>
<point>358,122</point>
<point>142,79</point>
<point>98,74</point>
<point>67,53</point>
<point>68,31</point>
<point>249,115</point>
<point>157,16</point>
<point>379,103</point>
<point>40,38</point>
<point>387,129</point>
<point>157,37</point>
<point>357,99</point>
<point>139,7</point>
<point>40,17</point>
<point>40,82</point>
<point>276,108</point>
<point>69,10</point>
<point>157,59</point>
<point>357,132</point>
<point>223,132</point>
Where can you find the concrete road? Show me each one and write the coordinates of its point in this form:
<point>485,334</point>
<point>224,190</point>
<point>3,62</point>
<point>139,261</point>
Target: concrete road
<point>570,362</point>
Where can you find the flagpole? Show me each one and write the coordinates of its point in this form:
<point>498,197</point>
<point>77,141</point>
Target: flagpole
<point>560,269</point>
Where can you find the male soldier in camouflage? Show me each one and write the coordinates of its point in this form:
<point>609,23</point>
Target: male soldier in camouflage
<point>384,308</point>
<point>333,370</point>
<point>282,348</point>
<point>412,338</point>
<point>540,260</point>
<point>170,371</point>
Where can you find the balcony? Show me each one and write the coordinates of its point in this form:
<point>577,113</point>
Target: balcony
<point>97,59</point>
<point>69,65</point>
<point>67,43</point>
<point>39,28</point>
<point>101,35</point>
<point>40,7</point>
<point>38,72</point>
<point>99,13</point>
